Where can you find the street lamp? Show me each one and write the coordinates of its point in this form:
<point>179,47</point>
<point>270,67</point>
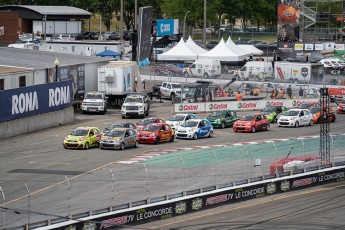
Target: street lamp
<point>184,23</point>
<point>56,63</point>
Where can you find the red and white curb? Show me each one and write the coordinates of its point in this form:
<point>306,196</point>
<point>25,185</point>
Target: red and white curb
<point>150,154</point>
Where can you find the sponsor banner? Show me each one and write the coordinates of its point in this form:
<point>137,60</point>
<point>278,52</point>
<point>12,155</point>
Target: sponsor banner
<point>144,32</point>
<point>329,45</point>
<point>171,209</point>
<point>167,27</point>
<point>239,105</point>
<point>319,46</point>
<point>339,46</point>
<point>308,46</point>
<point>34,100</point>
<point>298,46</point>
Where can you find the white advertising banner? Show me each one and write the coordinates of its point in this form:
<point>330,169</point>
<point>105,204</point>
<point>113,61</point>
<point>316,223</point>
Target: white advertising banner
<point>239,105</point>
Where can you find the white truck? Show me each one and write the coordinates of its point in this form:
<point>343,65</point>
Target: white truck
<point>94,102</point>
<point>170,90</point>
<point>204,68</point>
<point>298,72</point>
<point>255,70</point>
<point>137,104</point>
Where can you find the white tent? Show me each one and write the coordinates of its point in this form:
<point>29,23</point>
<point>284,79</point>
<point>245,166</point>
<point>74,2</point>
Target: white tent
<point>179,52</point>
<point>197,49</point>
<point>236,48</point>
<point>222,52</point>
<point>252,49</point>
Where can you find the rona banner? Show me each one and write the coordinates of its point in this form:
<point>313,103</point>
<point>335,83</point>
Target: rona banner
<point>34,100</point>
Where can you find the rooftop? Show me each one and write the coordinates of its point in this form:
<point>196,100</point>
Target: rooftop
<point>49,10</point>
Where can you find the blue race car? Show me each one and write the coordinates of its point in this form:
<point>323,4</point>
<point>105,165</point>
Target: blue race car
<point>194,129</point>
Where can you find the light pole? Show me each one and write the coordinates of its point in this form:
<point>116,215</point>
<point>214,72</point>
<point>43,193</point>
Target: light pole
<point>184,24</point>
<point>205,22</point>
<point>56,63</point>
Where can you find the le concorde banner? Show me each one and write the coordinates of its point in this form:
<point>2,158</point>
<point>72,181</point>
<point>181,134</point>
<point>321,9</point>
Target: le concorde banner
<point>34,100</point>
<point>202,202</point>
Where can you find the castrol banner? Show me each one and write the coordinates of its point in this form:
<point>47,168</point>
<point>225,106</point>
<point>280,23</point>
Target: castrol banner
<point>239,105</point>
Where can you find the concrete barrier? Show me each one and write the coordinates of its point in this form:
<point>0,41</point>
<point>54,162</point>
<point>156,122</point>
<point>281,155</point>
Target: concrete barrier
<point>35,123</point>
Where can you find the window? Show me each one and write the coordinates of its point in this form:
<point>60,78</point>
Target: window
<point>22,81</point>
<point>2,84</point>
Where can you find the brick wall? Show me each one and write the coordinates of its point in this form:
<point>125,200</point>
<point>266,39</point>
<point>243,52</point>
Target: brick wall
<point>10,20</point>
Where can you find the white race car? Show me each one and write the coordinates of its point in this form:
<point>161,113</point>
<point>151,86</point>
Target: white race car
<point>179,119</point>
<point>296,118</point>
<point>194,129</point>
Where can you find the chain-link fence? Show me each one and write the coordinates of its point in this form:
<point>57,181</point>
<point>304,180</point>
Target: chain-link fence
<point>170,173</point>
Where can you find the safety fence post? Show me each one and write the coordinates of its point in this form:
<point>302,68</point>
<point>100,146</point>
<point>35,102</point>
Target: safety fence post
<point>184,176</point>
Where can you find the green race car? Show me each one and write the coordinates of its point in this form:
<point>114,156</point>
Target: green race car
<point>222,118</point>
<point>273,112</point>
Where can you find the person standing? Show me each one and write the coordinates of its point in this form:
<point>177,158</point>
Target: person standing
<point>239,96</point>
<point>289,92</point>
<point>301,93</point>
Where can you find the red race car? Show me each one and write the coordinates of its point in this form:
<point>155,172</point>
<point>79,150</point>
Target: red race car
<point>341,107</point>
<point>144,122</point>
<point>252,123</point>
<point>155,133</point>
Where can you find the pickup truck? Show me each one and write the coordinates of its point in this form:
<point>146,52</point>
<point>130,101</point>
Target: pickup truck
<point>94,102</point>
<point>170,90</point>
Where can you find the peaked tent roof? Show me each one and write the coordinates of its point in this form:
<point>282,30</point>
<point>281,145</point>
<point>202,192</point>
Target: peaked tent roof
<point>222,52</point>
<point>108,53</point>
<point>197,49</point>
<point>252,49</point>
<point>179,52</point>
<point>236,48</point>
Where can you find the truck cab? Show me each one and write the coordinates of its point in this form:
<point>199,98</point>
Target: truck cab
<point>94,102</point>
<point>135,105</point>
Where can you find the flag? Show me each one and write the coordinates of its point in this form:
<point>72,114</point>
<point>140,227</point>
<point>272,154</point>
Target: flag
<point>2,30</point>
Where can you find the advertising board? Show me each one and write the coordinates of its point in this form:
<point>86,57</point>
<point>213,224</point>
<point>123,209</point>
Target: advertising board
<point>167,27</point>
<point>144,32</point>
<point>34,100</point>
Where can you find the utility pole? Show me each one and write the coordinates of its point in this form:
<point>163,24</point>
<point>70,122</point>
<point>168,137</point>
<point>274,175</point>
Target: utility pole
<point>205,22</point>
<point>325,139</point>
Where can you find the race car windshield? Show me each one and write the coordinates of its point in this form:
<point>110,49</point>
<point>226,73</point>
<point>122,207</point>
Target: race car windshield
<point>249,117</point>
<point>80,132</point>
<point>151,128</point>
<point>269,109</point>
<point>315,109</point>
<point>93,96</point>
<point>177,118</point>
<point>176,86</point>
<point>188,90</point>
<point>116,133</point>
<point>134,99</point>
<point>190,124</point>
<point>216,114</point>
<point>146,121</point>
<point>117,125</point>
<point>292,113</point>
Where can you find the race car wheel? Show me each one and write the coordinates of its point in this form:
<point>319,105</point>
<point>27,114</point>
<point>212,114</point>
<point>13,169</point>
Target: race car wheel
<point>268,127</point>
<point>296,124</point>
<point>210,135</point>
<point>86,146</point>
<point>253,129</point>
<point>157,141</point>
<point>122,146</point>
<point>311,122</point>
<point>222,125</point>
<point>195,136</point>
<point>172,138</point>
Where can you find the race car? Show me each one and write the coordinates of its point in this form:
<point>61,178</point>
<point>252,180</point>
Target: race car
<point>144,122</point>
<point>252,123</point>
<point>222,118</point>
<point>179,119</point>
<point>118,125</point>
<point>194,129</point>
<point>156,133</point>
<point>119,138</point>
<point>273,112</point>
<point>296,118</point>
<point>341,107</point>
<point>82,138</point>
<point>316,112</point>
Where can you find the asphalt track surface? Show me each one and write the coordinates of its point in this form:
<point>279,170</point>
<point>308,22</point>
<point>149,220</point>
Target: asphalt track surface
<point>37,164</point>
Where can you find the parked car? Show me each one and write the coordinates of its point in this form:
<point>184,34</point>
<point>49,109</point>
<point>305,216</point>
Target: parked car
<point>167,69</point>
<point>296,118</point>
<point>115,35</point>
<point>316,112</point>
<point>156,133</point>
<point>119,138</point>
<point>252,123</point>
<point>194,129</point>
<point>83,138</point>
<point>222,118</point>
<point>107,35</point>
<point>273,112</point>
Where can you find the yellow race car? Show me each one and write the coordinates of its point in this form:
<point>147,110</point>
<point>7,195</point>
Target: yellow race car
<point>83,138</point>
